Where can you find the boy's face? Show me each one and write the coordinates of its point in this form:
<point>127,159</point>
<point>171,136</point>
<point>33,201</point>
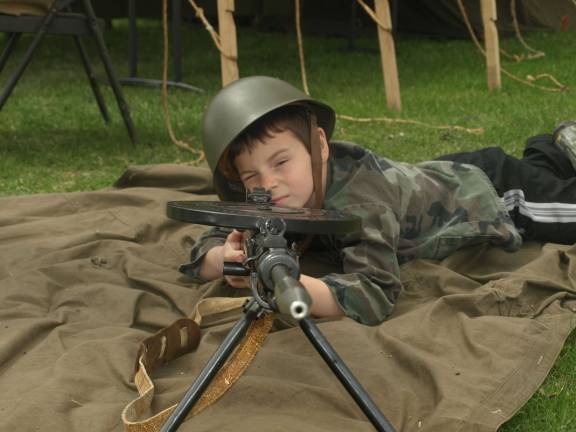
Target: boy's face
<point>282,165</point>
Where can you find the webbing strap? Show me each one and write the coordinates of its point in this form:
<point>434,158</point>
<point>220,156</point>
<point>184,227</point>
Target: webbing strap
<point>179,338</point>
<point>316,156</point>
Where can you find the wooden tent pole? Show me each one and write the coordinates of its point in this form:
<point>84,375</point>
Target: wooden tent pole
<point>227,31</point>
<point>489,18</point>
<point>388,55</point>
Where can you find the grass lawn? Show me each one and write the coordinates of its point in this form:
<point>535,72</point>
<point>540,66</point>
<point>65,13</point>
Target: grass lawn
<point>52,138</point>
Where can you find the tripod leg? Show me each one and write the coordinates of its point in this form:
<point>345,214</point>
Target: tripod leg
<point>214,364</point>
<point>345,376</point>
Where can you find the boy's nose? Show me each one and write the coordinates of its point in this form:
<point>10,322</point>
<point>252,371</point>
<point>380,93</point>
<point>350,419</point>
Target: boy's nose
<point>269,182</point>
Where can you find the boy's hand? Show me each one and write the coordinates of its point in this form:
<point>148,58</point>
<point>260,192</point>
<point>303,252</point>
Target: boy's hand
<point>234,252</point>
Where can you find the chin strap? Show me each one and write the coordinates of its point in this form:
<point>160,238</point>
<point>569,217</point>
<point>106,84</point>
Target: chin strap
<point>316,156</point>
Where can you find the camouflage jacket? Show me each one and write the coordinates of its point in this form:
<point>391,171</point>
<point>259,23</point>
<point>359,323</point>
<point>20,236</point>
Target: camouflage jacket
<point>426,210</point>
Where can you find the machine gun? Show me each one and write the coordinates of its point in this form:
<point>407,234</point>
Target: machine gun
<point>272,266</point>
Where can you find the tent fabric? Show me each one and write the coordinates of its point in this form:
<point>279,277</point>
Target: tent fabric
<point>439,18</point>
<point>551,14</point>
<point>85,277</point>
<point>443,17</point>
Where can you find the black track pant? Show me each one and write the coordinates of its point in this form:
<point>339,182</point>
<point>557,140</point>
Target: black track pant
<point>538,190</point>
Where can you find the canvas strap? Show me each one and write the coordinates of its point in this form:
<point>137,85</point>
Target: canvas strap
<point>177,339</point>
<point>316,156</point>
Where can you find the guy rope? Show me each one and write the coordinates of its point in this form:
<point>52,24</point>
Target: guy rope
<point>167,117</point>
<point>529,81</point>
<point>372,14</point>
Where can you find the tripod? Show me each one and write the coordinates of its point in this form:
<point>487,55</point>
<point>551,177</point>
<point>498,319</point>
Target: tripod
<point>274,279</point>
<point>253,311</point>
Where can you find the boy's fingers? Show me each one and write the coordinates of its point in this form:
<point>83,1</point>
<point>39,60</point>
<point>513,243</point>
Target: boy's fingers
<point>235,239</point>
<point>237,281</point>
<point>234,255</point>
<point>235,235</point>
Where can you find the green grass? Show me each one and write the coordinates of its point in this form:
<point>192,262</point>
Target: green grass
<point>52,138</point>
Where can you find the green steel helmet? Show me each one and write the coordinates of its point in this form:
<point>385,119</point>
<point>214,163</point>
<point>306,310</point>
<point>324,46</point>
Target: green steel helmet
<point>236,107</point>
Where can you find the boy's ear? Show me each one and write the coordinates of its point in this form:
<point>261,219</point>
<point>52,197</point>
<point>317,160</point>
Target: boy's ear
<point>325,148</point>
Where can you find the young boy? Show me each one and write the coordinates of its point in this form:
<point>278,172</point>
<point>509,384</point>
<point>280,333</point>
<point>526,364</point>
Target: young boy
<point>262,132</point>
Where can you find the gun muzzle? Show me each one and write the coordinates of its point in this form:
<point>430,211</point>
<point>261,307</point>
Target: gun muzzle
<point>291,296</point>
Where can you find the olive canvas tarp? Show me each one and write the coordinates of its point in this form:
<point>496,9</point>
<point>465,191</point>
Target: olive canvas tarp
<point>85,277</point>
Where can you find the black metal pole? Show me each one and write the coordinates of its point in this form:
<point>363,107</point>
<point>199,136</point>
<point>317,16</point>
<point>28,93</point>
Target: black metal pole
<point>345,376</point>
<point>133,39</point>
<point>176,39</point>
<point>214,364</point>
<point>176,50</point>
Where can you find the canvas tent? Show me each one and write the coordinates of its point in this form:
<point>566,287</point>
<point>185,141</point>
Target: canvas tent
<point>339,17</point>
<point>442,17</point>
<point>428,17</point>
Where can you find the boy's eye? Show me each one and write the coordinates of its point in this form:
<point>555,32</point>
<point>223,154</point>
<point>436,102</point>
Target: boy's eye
<point>281,162</point>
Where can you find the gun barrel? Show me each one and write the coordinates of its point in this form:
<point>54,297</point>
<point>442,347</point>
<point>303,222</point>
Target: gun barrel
<point>234,269</point>
<point>291,296</point>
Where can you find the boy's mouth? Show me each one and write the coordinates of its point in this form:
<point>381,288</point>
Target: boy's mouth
<point>279,200</point>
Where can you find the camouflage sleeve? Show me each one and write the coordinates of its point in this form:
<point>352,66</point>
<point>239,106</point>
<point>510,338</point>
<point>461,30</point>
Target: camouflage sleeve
<point>370,284</point>
<point>213,237</point>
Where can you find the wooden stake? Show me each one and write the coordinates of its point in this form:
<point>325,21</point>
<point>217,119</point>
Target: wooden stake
<point>489,18</point>
<point>228,41</point>
<point>388,55</point>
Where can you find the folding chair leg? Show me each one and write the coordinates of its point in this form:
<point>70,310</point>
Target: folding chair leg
<point>8,48</point>
<point>92,79</point>
<point>24,62</point>
<point>110,71</point>
<point>56,7</point>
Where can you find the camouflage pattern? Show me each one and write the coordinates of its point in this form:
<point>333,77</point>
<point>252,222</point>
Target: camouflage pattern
<point>427,210</point>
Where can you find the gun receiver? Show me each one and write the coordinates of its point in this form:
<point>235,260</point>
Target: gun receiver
<point>273,269</point>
